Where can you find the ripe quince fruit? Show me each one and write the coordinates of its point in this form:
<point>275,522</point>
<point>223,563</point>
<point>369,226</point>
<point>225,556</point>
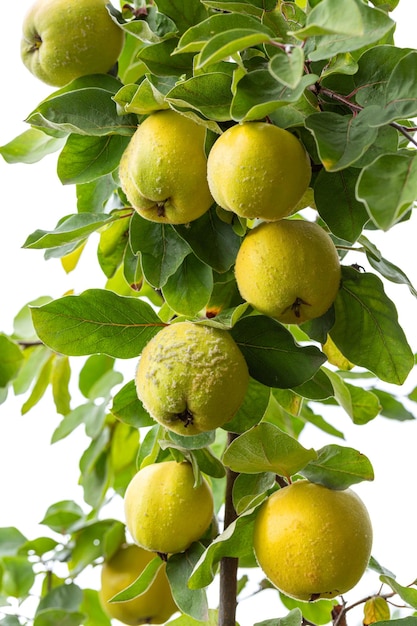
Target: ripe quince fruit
<point>165,510</point>
<point>163,170</point>
<point>288,270</point>
<point>65,39</point>
<point>313,542</point>
<point>258,170</point>
<point>192,378</point>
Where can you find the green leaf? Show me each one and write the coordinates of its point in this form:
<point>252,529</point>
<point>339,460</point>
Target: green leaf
<point>96,321</point>
<point>184,14</point>
<point>273,357</point>
<point>252,409</point>
<point>196,37</point>
<point>342,139</point>
<point>319,612</point>
<point>223,45</point>
<point>69,229</point>
<point>293,618</point>
<point>142,582</point>
<point>59,617</point>
<point>387,269</point>
<point>249,490</point>
<point>39,546</point>
<point>224,243</point>
<point>30,147</point>
<point>366,329</point>
<point>162,249</point>
<point>188,290</point>
<point>67,597</point>
<point>258,94</point>
<point>288,67</point>
<point>11,539</point>
<point>397,174</point>
<point>17,576</point>
<point>186,620</point>
<point>400,102</point>
<point>210,94</point>
<point>338,30</point>
<point>347,216</point>
<point>192,602</point>
<point>91,542</point>
<point>391,407</point>
<point>156,27</point>
<point>94,614</point>
<point>338,467</point>
<point>142,99</point>
<point>266,448</point>
<point>361,405</point>
<point>129,409</point>
<point>409,595</point>
<point>63,516</point>
<point>11,360</point>
<point>88,111</point>
<point>251,7</point>
<point>40,386</point>
<point>159,59</point>
<point>60,378</point>
<point>84,159</point>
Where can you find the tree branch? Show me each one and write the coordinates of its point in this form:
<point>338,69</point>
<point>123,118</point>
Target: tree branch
<point>228,565</point>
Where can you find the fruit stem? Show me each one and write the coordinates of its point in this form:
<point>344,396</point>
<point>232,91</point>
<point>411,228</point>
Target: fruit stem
<point>228,565</point>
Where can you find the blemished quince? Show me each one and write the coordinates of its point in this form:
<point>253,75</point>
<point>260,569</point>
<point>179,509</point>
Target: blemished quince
<point>154,606</point>
<point>165,511</point>
<point>258,170</point>
<point>288,270</point>
<point>65,39</point>
<point>313,542</point>
<point>163,170</point>
<point>192,378</point>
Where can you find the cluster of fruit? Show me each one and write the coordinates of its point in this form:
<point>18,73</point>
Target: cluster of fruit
<point>310,541</point>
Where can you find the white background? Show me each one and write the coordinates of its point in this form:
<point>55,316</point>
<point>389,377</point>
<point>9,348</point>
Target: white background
<point>34,474</point>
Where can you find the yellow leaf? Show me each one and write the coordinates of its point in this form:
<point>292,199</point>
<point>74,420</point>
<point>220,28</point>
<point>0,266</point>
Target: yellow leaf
<point>375,610</point>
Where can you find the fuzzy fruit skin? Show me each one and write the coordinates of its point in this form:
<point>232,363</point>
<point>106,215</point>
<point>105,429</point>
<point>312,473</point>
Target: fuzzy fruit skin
<point>288,270</point>
<point>155,606</point>
<point>313,542</point>
<point>65,39</point>
<point>164,169</point>
<point>258,170</point>
<point>164,512</point>
<point>192,378</point>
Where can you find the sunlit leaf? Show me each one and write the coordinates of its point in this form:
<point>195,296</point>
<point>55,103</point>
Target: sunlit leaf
<point>30,147</point>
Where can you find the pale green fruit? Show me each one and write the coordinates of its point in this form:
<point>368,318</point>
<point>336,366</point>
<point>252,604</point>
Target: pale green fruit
<point>165,510</point>
<point>192,378</point>
<point>258,170</point>
<point>313,542</point>
<point>163,171</point>
<point>288,270</point>
<point>155,606</point>
<point>66,39</point>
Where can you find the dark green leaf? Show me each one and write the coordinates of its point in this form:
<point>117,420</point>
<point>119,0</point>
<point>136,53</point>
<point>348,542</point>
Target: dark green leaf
<point>192,602</point>
<point>272,355</point>
<point>391,407</point>
<point>287,67</point>
<point>387,269</point>
<point>129,409</point>
<point>162,249</point>
<point>318,387</point>
<point>397,175</point>
<point>188,290</point>
<point>89,111</point>
<point>160,60</point>
<point>252,7</point>
<point>342,139</point>
<point>250,489</point>
<point>69,229</point>
<point>266,448</point>
<point>223,246</point>
<point>366,329</point>
<point>96,321</point>
<point>184,14</point>
<point>334,195</point>
<point>338,467</point>
<point>343,28</point>
<point>210,94</point>
<point>84,159</point>
<point>252,409</point>
<point>258,94</point>
<point>30,147</point>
